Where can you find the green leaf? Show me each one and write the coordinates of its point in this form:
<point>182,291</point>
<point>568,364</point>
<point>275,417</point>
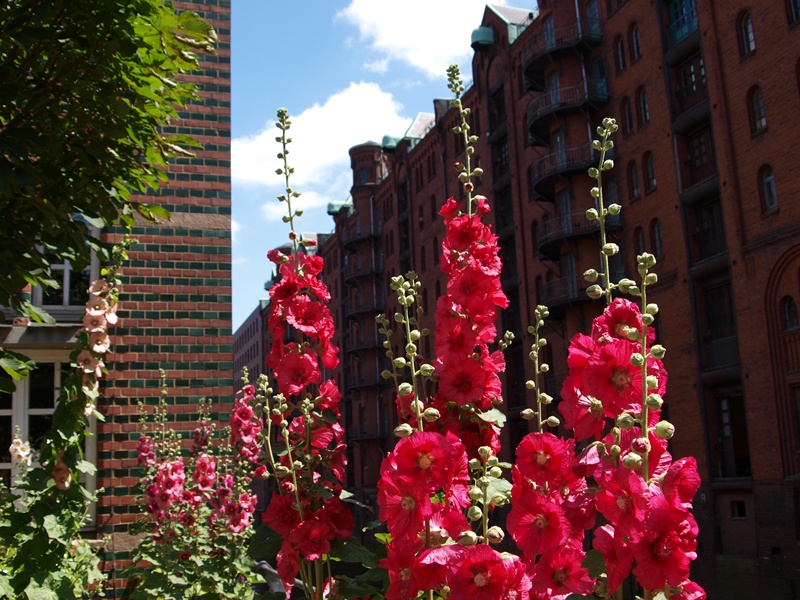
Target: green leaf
<point>16,365</point>
<point>595,563</point>
<point>55,529</point>
<point>500,487</point>
<point>493,415</point>
<point>39,314</point>
<point>329,416</point>
<point>265,543</point>
<point>350,550</point>
<point>352,588</point>
<point>84,466</point>
<point>38,589</point>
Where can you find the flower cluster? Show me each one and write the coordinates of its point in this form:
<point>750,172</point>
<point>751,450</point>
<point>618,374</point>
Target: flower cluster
<point>307,509</point>
<point>101,313</point>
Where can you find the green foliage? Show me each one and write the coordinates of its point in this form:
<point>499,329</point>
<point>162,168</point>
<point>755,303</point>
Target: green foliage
<point>85,88</point>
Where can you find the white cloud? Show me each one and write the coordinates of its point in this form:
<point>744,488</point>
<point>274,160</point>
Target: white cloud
<point>235,227</point>
<point>380,66</point>
<point>429,36</point>
<point>322,136</point>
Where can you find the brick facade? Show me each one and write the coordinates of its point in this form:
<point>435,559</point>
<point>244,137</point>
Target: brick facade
<point>175,304</point>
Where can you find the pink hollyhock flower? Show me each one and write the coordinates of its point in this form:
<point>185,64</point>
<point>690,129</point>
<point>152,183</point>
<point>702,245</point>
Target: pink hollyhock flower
<point>96,306</point>
<point>617,319</point>
<point>98,286</point>
<point>480,575</point>
<point>481,205</point>
<point>559,574</point>
<point>536,523</point>
<point>455,337</point>
<point>311,538</point>
<point>90,364</point>
<point>518,584</point>
<point>618,556</point>
<point>111,313</point>
<point>144,451</point>
<point>329,396</point>
<point>581,349</point>
<point>476,292</point>
<point>403,506</point>
<point>94,323</point>
<point>205,472</point>
<point>663,544</point>
<point>295,371</point>
<point>281,514</point>
<point>311,317</point>
<point>463,382</point>
<point>426,458</point>
<point>681,482</point>
<point>288,565</point>
<point>100,342</point>
<point>543,458</point>
<point>450,210</point>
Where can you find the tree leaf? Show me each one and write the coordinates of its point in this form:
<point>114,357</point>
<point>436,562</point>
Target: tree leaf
<point>493,415</point>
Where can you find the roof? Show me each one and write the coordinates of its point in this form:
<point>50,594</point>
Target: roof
<point>422,124</point>
<point>518,19</point>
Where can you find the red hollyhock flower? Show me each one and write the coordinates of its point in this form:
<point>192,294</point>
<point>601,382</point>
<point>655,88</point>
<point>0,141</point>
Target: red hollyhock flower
<point>690,591</point>
<point>311,538</point>
<point>455,337</point>
<point>463,231</point>
<point>295,371</point>
<point>288,565</point>
<point>281,514</point>
<point>518,584</point>
<point>463,382</point>
<point>406,574</point>
<point>612,379</point>
<point>681,482</point>
<point>309,316</point>
<point>481,575</point>
<point>403,506</point>
<point>544,458</point>
<point>618,556</point>
<point>450,210</point>
<point>622,498</point>
<point>583,414</point>
<point>536,523</point>
<point>426,458</point>
<point>618,317</point>
<point>559,574</point>
<point>477,293</point>
<point>339,518</point>
<point>663,544</point>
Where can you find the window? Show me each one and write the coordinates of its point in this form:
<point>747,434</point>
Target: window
<point>769,194</point>
<point>552,87</point>
<point>497,109</point>
<point>593,16</point>
<point>611,193</point>
<point>656,238</point>
<point>639,241</point>
<point>423,266</point>
<point>789,314</point>
<point>747,37</point>
<point>627,117</point>
<point>74,286</point>
<point>635,44</point>
<point>434,208</point>
<point>643,111</point>
<point>793,11</point>
<point>755,105</point>
<point>649,169</point>
<point>549,32</point>
<point>619,54</point>
<point>633,182</point>
<point>502,160</point>
<point>421,217</point>
<point>436,250</point>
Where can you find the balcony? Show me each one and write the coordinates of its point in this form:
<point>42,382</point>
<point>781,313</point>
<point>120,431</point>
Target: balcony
<point>548,169</point>
<point>557,293</point>
<point>683,38</point>
<point>353,308</point>
<point>366,431</point>
<point>700,182</point>
<point>367,343</point>
<point>353,382</point>
<point>720,360</point>
<point>544,109</point>
<point>368,268</point>
<point>548,45</point>
<point>353,235</point>
<point>691,109</point>
<point>554,230</point>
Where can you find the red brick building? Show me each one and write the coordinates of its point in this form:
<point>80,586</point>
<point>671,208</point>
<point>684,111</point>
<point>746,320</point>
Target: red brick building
<point>704,93</point>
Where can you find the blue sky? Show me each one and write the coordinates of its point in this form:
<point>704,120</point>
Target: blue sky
<point>348,72</point>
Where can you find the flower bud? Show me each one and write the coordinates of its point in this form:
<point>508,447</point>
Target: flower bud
<point>595,192</point>
<point>469,538</point>
<point>614,450</point>
<point>484,452</point>
<point>608,123</point>
<point>640,445</point>
<point>610,249</point>
<point>652,382</point>
<point>417,406</point>
<point>405,388</point>
<point>427,370</point>
<point>281,471</point>
<point>544,368</point>
<point>658,351</point>
<point>590,275</point>
<point>474,464</point>
<point>665,430</point>
<point>403,431</point>
<point>399,362</point>
<point>527,414</point>
<point>492,461</point>
<point>647,319</point>
<point>386,374</point>
<point>496,472</point>
<point>431,414</point>
<point>625,421</point>
<point>475,493</point>
<point>495,534</point>
<point>654,401</point>
<point>594,292</point>
<point>632,334</point>
<point>530,384</point>
<point>474,513</point>
<point>637,360</point>
<point>651,309</point>
<point>552,421</point>
<point>499,500</point>
<point>651,278</point>
<point>632,461</point>
<point>614,209</point>
<point>591,214</point>
<point>608,165</point>
<point>593,172</point>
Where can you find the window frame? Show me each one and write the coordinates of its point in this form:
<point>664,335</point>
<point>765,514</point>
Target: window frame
<point>635,43</point>
<point>756,110</point>
<point>747,36</point>
<point>768,189</point>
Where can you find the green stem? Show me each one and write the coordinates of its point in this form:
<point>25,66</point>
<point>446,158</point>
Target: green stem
<point>645,409</point>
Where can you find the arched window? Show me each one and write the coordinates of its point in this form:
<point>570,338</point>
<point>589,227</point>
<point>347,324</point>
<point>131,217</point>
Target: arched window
<point>755,107</point>
<point>436,250</point>
<point>649,170</point>
<point>747,37</point>
<point>642,109</point>
<point>619,54</point>
<point>789,313</point>
<point>656,239</point>
<point>633,182</point>
<point>793,11</point>
<point>627,117</point>
<point>769,193</point>
<point>635,44</point>
<point>422,262</point>
<point>639,241</point>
